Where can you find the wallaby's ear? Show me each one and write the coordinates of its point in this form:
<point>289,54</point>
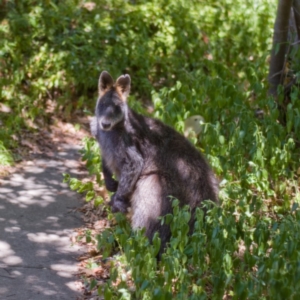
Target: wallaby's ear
<point>123,85</point>
<point>105,83</point>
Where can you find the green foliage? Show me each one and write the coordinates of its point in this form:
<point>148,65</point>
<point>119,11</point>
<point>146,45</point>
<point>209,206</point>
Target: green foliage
<point>248,247</point>
<point>188,58</point>
<point>248,257</point>
<point>245,249</point>
<point>5,156</point>
<point>52,52</point>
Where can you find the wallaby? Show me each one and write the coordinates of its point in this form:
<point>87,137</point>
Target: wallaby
<point>151,161</point>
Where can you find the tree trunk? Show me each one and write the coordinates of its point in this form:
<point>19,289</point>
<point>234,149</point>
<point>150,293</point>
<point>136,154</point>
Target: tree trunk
<point>296,8</point>
<point>280,42</point>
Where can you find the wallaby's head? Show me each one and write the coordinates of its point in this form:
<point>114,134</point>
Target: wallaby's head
<point>111,106</point>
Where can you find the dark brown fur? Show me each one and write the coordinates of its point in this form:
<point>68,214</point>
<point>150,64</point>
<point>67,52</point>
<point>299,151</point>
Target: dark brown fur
<point>150,160</point>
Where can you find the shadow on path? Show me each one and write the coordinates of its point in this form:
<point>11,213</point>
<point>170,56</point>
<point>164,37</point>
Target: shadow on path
<point>37,258</point>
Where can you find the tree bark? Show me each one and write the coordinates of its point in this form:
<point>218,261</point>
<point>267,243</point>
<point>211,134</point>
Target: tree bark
<point>280,41</point>
<point>296,9</point>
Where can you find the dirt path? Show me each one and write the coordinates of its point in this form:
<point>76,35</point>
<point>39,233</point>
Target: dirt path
<point>37,222</point>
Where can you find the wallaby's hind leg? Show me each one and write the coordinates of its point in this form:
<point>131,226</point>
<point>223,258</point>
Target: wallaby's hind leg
<point>147,206</point>
<point>146,202</point>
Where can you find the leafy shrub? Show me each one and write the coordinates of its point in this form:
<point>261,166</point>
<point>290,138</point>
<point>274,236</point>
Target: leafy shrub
<point>5,156</point>
<point>241,257</point>
<point>53,51</point>
<point>245,249</point>
<point>187,58</point>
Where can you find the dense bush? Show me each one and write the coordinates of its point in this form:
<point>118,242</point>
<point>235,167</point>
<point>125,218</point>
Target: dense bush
<point>53,51</point>
<point>186,58</point>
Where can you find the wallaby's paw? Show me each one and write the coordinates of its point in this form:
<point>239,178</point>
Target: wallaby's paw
<point>111,185</point>
<point>118,204</point>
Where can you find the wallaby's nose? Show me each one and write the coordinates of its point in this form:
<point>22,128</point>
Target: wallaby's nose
<point>105,125</point>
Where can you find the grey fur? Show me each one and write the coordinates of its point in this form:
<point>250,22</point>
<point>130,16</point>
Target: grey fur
<point>150,160</point>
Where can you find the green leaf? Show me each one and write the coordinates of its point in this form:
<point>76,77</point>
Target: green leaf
<point>277,48</point>
<point>178,85</point>
<point>221,139</point>
<point>93,284</point>
<point>107,292</point>
<point>145,285</point>
<point>90,195</point>
<point>66,177</point>
<point>98,201</point>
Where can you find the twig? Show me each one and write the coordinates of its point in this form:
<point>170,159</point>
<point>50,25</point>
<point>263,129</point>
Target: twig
<point>295,43</point>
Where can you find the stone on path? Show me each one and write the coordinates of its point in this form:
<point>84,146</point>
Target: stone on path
<point>37,221</point>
